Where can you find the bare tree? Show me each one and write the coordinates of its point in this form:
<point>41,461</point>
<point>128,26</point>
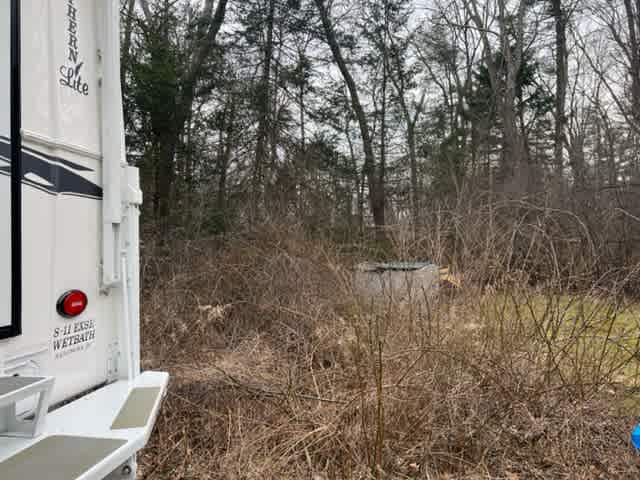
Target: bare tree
<point>264,101</point>
<point>376,190</point>
<point>503,66</point>
<point>169,131</point>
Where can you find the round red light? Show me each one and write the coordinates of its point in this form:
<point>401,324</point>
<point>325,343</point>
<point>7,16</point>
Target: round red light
<point>72,304</point>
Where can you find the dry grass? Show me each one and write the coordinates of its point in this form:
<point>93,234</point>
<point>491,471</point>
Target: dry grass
<point>279,371</point>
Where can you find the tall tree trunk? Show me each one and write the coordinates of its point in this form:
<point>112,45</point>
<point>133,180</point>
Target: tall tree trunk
<point>376,198</point>
<point>398,77</point>
<point>168,131</point>
<point>560,21</point>
<point>513,139</point>
<point>357,182</point>
<point>513,165</point>
<point>187,162</point>
<point>166,176</point>
<point>126,48</point>
<point>380,200</point>
<point>413,167</point>
<point>275,115</point>
<point>633,23</point>
<point>577,161</point>
<point>225,158</point>
<point>264,106</point>
<point>303,126</point>
<point>503,76</point>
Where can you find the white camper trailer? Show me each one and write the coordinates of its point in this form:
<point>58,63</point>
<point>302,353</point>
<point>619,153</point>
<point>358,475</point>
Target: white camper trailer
<point>73,401</point>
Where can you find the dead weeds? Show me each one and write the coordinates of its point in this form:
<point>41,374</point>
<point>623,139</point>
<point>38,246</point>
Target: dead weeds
<point>279,371</point>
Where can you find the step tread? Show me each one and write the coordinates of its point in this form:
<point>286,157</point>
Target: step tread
<point>136,410</point>
<point>58,457</point>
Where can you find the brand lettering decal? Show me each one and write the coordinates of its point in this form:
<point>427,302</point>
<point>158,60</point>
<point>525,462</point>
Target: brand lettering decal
<point>73,337</point>
<point>71,72</point>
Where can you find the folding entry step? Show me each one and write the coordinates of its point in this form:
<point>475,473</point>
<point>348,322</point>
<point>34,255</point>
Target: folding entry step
<point>91,437</point>
<point>16,389</point>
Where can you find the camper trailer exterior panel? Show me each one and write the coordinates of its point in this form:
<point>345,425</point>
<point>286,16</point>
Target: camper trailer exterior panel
<point>62,202</point>
<point>60,75</point>
<point>79,222</point>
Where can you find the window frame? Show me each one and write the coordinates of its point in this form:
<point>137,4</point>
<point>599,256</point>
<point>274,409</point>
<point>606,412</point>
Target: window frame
<point>15,100</point>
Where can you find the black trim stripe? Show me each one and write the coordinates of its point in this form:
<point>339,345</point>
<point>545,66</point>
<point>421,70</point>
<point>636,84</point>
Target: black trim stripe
<point>48,191</point>
<point>50,158</point>
<point>56,179</point>
<point>15,328</point>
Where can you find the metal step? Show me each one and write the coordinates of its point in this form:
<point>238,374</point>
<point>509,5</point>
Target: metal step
<point>91,437</point>
<point>16,389</point>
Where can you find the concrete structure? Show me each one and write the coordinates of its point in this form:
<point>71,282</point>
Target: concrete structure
<point>397,281</point>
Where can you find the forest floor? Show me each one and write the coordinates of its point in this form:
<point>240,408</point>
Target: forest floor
<point>280,370</point>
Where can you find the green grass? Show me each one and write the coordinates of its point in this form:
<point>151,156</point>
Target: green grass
<point>584,339</point>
